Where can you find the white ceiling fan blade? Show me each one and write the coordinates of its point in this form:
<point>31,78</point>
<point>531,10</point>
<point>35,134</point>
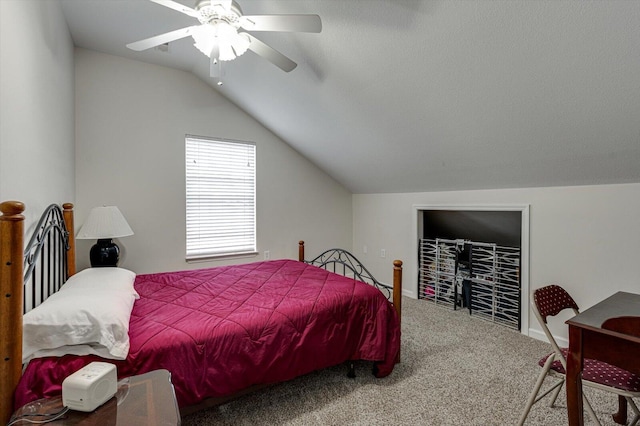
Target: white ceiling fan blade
<point>297,23</point>
<point>271,55</point>
<point>154,41</point>
<point>177,6</point>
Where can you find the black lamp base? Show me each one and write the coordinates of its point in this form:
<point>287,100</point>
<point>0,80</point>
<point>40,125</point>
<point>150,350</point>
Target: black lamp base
<point>104,253</point>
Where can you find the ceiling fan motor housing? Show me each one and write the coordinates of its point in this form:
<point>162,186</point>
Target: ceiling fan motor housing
<point>212,11</point>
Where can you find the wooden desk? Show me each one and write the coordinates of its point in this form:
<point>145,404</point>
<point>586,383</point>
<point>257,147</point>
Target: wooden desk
<point>587,339</point>
<point>144,400</point>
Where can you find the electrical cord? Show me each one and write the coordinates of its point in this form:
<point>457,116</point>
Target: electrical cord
<point>53,416</point>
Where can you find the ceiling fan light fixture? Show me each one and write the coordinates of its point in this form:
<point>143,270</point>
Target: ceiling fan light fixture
<point>226,51</point>
<point>218,37</point>
<point>240,43</point>
<point>204,38</point>
<point>220,40</point>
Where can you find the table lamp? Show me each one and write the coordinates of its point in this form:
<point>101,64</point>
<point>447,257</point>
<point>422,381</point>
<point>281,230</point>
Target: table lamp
<point>103,224</point>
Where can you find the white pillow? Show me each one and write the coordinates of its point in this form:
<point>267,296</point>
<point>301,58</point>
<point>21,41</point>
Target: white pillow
<point>80,350</point>
<point>89,315</point>
<point>117,279</point>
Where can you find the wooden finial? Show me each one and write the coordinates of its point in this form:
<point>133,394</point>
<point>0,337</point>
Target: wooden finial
<point>12,210</point>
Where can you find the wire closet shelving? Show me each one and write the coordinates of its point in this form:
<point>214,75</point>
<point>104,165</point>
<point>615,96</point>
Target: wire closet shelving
<point>484,277</point>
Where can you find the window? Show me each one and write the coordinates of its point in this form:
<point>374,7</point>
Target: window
<point>221,197</point>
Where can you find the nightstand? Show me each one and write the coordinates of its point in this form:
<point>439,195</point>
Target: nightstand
<point>144,400</point>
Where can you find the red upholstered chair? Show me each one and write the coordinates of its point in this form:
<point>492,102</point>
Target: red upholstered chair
<point>550,301</point>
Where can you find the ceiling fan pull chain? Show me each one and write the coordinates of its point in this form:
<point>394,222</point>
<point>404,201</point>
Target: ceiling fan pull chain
<point>216,71</point>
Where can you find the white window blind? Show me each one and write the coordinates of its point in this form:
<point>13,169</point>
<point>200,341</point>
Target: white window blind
<point>221,197</point>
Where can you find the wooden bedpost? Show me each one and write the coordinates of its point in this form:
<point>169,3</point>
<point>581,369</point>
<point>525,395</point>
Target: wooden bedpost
<point>71,253</point>
<point>301,251</point>
<point>11,270</point>
<point>397,292</point>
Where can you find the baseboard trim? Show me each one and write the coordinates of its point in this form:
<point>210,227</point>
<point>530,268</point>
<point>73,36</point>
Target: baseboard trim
<point>539,335</point>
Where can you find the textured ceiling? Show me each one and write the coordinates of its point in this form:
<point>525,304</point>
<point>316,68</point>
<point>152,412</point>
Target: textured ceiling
<point>405,96</point>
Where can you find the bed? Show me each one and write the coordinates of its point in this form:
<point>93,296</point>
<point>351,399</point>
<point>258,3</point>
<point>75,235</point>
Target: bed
<point>220,331</point>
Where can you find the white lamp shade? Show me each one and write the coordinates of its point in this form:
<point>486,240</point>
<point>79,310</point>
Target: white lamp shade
<point>103,223</point>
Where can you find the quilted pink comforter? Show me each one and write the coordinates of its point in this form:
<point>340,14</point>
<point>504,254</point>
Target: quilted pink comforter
<point>223,329</point>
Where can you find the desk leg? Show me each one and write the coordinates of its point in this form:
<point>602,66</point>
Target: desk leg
<point>621,416</point>
<point>574,383</point>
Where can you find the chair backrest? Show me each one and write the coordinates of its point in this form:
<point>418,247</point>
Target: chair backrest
<point>550,301</point>
<point>625,325</point>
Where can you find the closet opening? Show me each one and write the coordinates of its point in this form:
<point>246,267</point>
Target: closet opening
<point>476,259</point>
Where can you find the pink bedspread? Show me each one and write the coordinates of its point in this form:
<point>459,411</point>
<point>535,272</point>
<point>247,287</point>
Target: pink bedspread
<point>223,329</point>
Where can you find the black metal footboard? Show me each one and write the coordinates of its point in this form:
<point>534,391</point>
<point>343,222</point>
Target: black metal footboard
<point>344,263</point>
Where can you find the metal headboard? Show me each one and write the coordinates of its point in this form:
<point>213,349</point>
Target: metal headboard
<point>342,262</point>
<point>45,260</point>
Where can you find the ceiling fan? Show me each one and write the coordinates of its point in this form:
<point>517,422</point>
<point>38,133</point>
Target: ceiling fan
<point>220,34</point>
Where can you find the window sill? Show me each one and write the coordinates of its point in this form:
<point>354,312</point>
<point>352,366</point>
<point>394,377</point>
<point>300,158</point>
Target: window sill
<point>208,257</point>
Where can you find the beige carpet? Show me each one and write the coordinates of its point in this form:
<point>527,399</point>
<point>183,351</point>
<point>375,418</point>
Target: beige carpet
<point>455,370</point>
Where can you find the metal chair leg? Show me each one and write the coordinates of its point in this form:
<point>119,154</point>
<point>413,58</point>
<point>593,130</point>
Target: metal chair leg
<point>636,419</point>
<point>587,407</point>
<point>555,394</point>
<point>532,398</point>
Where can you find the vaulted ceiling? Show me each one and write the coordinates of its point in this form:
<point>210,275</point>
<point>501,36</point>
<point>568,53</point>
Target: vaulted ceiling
<point>405,96</point>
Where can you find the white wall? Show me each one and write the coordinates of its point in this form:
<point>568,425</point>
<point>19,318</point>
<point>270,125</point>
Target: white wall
<point>131,120</point>
<point>585,238</point>
<point>36,106</point>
